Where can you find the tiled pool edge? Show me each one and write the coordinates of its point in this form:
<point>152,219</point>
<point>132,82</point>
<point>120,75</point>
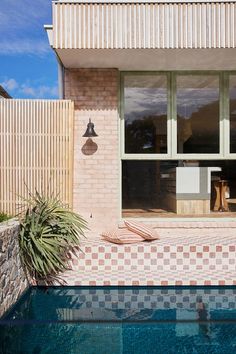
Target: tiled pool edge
<point>186,255</point>
<point>13,281</point>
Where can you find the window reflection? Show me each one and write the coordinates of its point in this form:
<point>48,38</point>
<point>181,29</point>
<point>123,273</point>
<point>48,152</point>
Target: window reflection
<point>198,114</point>
<point>145,113</point>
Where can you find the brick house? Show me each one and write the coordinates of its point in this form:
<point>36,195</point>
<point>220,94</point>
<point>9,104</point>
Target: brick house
<point>158,81</point>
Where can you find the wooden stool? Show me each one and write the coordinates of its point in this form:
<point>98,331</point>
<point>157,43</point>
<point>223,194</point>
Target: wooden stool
<point>221,203</point>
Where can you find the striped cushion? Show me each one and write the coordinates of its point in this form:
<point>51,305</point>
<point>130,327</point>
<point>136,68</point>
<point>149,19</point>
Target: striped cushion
<point>147,232</point>
<point>121,236</point>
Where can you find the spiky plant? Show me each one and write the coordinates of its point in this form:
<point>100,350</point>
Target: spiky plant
<point>48,233</point>
<point>4,217</point>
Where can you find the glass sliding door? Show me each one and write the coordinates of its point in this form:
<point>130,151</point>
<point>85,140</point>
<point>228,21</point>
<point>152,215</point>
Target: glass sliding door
<point>145,114</point>
<point>148,187</point>
<point>152,188</point>
<point>232,112</point>
<point>178,144</point>
<point>197,100</point>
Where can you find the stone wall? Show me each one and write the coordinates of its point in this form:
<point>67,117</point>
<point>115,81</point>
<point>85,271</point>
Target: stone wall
<point>96,161</point>
<point>12,278</point>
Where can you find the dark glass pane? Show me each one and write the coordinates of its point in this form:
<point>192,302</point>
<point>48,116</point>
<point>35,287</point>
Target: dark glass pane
<point>198,114</point>
<point>232,95</point>
<point>178,188</point>
<point>145,113</point>
<point>145,188</point>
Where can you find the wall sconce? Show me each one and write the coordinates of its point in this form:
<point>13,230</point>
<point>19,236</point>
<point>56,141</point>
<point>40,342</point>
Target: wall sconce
<point>90,132</point>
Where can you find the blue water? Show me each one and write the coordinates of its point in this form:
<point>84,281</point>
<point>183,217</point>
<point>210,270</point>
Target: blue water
<point>110,320</point>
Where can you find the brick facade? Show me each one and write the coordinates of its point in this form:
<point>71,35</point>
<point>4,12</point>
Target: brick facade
<point>96,163</point>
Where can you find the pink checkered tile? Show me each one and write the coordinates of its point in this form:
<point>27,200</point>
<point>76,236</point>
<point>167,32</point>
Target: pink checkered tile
<point>185,254</point>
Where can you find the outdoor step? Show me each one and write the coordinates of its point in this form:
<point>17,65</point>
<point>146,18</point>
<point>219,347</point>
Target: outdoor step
<point>182,256</point>
<point>187,224</point>
<point>155,256</point>
<point>149,278</point>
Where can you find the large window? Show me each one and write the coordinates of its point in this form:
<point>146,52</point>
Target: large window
<point>178,115</point>
<point>145,113</point>
<point>173,120</point>
<point>160,188</point>
<point>197,98</point>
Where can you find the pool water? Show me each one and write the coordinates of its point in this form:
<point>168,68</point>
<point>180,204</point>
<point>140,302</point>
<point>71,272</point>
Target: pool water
<point>128,320</point>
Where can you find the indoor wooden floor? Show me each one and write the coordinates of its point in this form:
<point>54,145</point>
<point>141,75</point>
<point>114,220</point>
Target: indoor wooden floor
<point>162,213</point>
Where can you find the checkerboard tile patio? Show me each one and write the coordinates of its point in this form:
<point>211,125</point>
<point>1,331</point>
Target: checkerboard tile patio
<point>193,255</point>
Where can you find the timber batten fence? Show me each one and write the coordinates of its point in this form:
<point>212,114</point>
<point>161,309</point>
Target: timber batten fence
<point>36,150</point>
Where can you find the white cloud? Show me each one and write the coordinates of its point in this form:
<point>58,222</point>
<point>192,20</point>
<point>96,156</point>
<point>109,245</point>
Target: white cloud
<point>21,26</point>
<point>23,46</point>
<point>9,84</point>
<point>42,91</point>
<point>29,89</point>
<point>23,13</point>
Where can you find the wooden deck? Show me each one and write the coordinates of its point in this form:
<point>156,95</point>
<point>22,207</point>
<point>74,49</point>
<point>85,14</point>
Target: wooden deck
<point>162,213</point>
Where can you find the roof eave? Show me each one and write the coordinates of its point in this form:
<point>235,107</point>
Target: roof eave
<point>49,30</point>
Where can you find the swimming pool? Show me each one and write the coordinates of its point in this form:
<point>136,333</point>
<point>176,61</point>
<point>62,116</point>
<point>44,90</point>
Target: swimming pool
<point>128,320</point>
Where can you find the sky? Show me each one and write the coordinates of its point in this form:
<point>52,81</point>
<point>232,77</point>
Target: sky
<point>28,66</point>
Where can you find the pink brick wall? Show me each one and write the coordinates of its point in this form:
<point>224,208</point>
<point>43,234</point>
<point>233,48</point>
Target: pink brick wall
<point>96,173</point>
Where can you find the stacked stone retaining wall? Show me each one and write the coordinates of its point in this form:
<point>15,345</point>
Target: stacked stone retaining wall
<point>12,277</point>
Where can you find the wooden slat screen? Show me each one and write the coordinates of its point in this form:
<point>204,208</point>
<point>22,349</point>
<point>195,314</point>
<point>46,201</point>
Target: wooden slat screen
<point>36,150</point>
<point>144,25</point>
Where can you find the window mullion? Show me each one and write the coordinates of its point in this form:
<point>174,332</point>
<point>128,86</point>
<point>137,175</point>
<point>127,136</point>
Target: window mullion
<point>221,115</point>
<point>122,118</point>
<point>173,112</point>
<point>169,120</point>
<point>226,115</point>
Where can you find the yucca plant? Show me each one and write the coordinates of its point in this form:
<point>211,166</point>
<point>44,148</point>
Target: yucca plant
<point>48,233</point>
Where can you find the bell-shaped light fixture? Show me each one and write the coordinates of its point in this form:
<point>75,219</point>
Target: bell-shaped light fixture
<point>90,132</point>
